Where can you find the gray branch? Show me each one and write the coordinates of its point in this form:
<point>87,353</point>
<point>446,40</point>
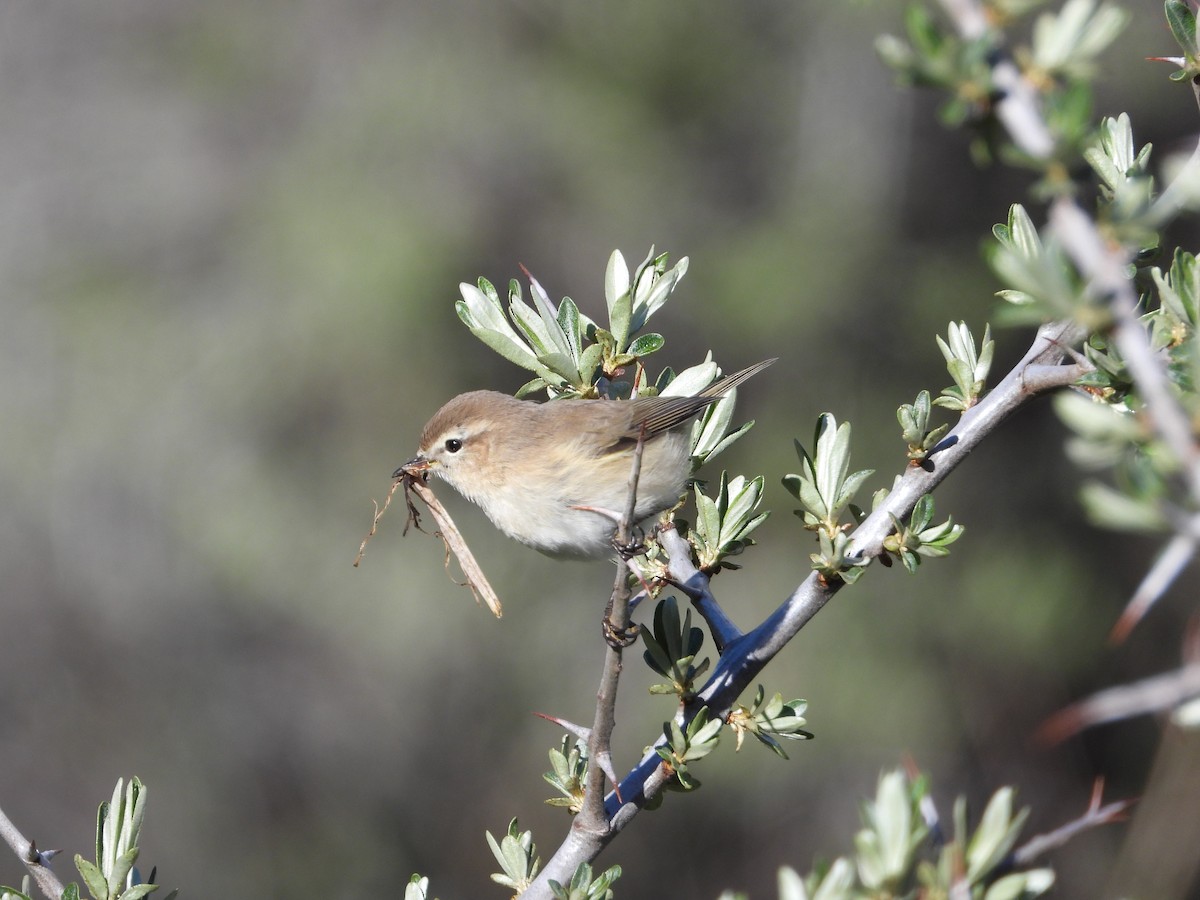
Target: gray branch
<point>747,655</point>
<point>34,860</point>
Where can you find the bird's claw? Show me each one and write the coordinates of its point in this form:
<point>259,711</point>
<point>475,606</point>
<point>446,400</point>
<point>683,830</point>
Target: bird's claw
<point>619,637</point>
<point>635,546</point>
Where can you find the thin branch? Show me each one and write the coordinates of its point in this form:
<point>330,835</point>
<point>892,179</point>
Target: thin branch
<point>1150,695</point>
<point>1104,266</point>
<point>34,860</point>
<point>1174,558</point>
<point>1154,694</point>
<point>1017,108</point>
<point>1093,817</point>
<point>593,818</point>
<point>746,656</point>
<point>685,576</point>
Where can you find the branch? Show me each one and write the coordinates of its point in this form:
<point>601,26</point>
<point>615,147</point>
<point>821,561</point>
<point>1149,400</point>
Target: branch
<point>1154,694</point>
<point>592,817</point>
<point>1179,551</point>
<point>1104,266</point>
<point>1093,817</point>
<point>35,861</point>
<point>685,576</point>
<point>747,655</point>
<point>1017,109</point>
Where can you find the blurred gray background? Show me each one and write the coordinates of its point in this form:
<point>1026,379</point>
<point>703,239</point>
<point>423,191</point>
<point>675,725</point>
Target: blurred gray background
<point>230,240</point>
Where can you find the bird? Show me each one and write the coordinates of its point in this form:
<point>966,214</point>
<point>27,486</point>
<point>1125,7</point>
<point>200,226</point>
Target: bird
<point>552,475</point>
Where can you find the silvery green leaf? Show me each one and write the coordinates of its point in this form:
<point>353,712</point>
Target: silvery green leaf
<point>645,275</point>
<point>481,308</point>
<point>92,877</point>
<point>616,280</point>
<point>138,891</point>
<point>692,381</point>
<point>708,520</point>
<point>850,486</point>
<point>1187,715</point>
<point>569,322</point>
<point>724,442</point>
<point>922,513</point>
<point>645,306</point>
<point>417,888</point>
<point>486,321</point>
<point>134,813</point>
<point>589,362</point>
<point>892,822</point>
<point>561,365</point>
<point>806,492</point>
<point>549,316</point>
<point>618,321</point>
<point>702,735</point>
<point>1103,29</point>
<point>838,883</point>
<point>1075,35</point>
<point>1016,298</point>
<point>710,428</point>
<point>1021,885</point>
<point>120,870</point>
<point>532,326</point>
<point>960,370</point>
<point>996,835</point>
<point>1020,233</point>
<point>744,499</point>
<point>1103,166</point>
<point>832,456</point>
<point>1095,420</point>
<point>1110,508</point>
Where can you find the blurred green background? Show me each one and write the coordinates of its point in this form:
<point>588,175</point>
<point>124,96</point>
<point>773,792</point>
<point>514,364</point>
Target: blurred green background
<point>230,240</point>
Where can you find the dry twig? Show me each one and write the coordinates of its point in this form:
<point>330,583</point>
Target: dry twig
<point>456,544</point>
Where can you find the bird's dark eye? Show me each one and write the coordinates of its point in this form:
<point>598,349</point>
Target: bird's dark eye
<point>453,445</point>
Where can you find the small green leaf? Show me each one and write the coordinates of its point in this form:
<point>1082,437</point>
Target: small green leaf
<point>120,871</point>
<point>1182,22</point>
<point>646,344</point>
<point>616,280</point>
<point>92,877</point>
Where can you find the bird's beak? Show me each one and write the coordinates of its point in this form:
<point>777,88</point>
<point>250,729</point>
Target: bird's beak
<point>418,467</point>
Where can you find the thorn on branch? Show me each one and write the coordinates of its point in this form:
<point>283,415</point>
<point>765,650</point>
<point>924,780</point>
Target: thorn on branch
<point>40,857</point>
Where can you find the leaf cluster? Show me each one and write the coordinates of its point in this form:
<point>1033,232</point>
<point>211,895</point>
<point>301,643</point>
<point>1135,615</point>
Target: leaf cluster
<point>672,648</point>
<point>1057,61</point>
<point>1112,430</point>
<point>118,827</point>
<point>570,354</point>
<point>568,774</point>
<point>919,537</point>
<point>724,523</point>
<point>770,719</point>
<point>825,488</point>
<point>901,853</point>
<point>517,856</point>
<point>687,744</point>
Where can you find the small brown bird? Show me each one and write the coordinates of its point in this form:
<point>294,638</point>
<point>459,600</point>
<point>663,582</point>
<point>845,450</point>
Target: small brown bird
<point>531,466</point>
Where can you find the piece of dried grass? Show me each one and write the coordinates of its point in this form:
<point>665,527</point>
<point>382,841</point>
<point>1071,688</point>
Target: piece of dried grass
<point>414,483</point>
